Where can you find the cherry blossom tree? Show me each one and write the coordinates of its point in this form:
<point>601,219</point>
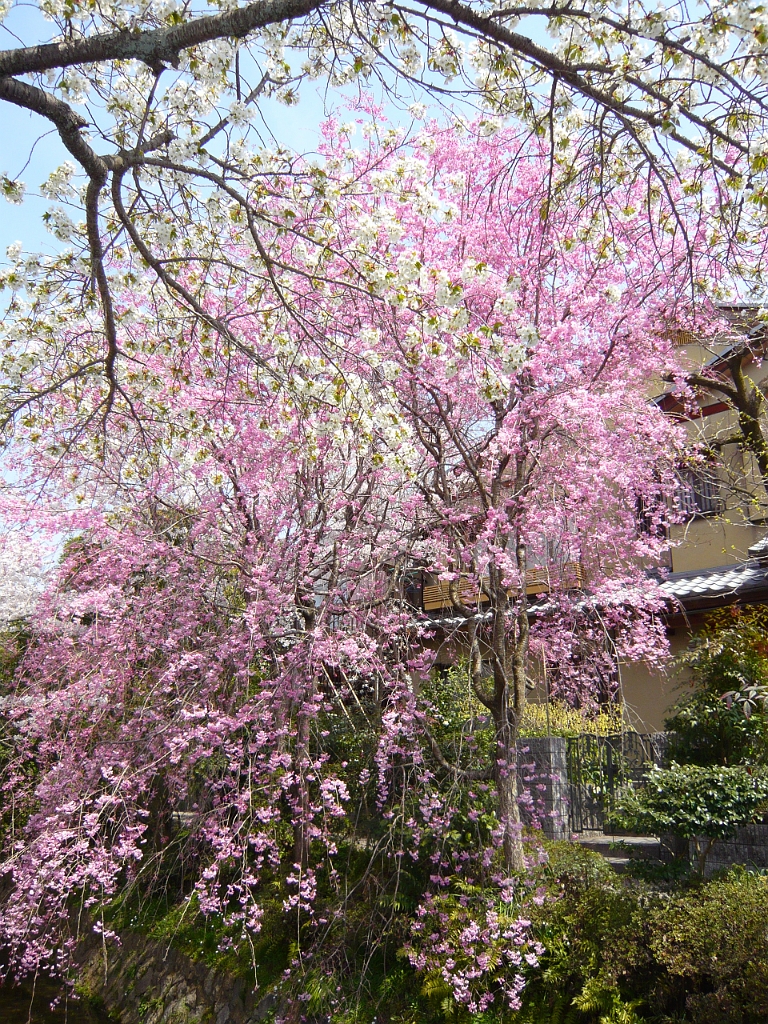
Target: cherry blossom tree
<point>454,389</point>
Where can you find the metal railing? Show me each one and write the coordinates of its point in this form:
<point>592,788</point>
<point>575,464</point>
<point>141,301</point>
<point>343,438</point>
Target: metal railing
<point>539,580</point>
<point>601,767</point>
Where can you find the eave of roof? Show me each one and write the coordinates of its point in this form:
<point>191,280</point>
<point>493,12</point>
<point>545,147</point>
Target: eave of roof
<point>722,584</point>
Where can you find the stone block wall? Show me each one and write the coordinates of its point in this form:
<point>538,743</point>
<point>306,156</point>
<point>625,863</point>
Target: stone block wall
<point>544,774</point>
<point>148,982</point>
<point>749,847</point>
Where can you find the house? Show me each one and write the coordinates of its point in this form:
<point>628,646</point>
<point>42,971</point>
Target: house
<point>719,554</point>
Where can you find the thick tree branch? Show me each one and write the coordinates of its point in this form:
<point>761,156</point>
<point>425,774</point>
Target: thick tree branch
<point>95,185</point>
<point>487,27</point>
<point>174,285</point>
<point>160,47</point>
<point>68,123</point>
<point>157,46</point>
<point>700,380</point>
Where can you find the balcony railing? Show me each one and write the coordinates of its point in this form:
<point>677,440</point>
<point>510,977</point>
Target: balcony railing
<point>540,580</point>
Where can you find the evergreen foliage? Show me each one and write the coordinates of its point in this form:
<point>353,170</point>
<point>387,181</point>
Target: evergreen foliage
<point>722,719</point>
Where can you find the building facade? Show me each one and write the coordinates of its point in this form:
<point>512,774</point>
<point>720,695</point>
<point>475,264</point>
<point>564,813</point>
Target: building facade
<point>719,553</point>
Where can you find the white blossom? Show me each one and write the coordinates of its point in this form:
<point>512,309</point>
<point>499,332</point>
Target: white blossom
<point>59,223</point>
<point>22,576</point>
<point>13,190</point>
<point>528,334</point>
<point>59,183</point>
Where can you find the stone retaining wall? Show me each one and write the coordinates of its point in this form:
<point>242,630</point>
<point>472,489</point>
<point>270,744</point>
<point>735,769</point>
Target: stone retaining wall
<point>544,775</point>
<point>148,982</point>
<point>749,847</point>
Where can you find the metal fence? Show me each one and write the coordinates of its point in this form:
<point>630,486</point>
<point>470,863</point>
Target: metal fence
<point>600,767</point>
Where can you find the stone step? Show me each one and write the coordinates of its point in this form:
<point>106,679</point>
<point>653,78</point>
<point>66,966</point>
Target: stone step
<point>619,851</point>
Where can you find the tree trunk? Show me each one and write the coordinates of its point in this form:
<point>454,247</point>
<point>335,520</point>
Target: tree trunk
<point>512,657</point>
<point>507,789</point>
<point>703,851</point>
<point>303,755</point>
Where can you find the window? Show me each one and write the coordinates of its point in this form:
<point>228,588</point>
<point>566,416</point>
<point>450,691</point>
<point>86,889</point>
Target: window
<point>698,492</point>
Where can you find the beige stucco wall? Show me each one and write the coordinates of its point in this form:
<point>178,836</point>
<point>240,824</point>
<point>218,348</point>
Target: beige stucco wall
<point>715,540</point>
<point>649,694</point>
<point>706,543</point>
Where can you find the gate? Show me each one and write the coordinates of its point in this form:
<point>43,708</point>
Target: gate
<point>600,767</point>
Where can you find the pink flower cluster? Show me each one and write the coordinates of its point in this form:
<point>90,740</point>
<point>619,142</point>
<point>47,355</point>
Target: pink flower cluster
<point>480,947</point>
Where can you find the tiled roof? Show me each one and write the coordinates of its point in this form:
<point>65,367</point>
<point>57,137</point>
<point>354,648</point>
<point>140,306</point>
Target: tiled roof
<point>721,581</point>
<point>759,550</point>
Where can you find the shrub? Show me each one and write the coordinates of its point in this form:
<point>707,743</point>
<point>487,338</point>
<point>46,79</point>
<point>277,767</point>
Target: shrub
<point>621,952</point>
<point>590,924</point>
<point>728,658</point>
<point>456,709</point>
<point>566,721</point>
<point>694,802</point>
<point>712,945</point>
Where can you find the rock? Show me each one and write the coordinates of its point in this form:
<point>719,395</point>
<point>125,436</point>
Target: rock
<point>209,982</point>
<point>145,982</point>
<point>148,982</point>
<point>262,1009</point>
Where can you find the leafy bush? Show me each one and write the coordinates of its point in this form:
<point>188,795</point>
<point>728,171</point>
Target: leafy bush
<point>566,721</point>
<point>590,925</point>
<point>456,708</point>
<point>622,952</point>
<point>711,945</point>
<point>693,801</point>
<point>729,656</point>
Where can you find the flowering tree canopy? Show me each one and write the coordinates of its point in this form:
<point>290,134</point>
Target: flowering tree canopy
<point>431,379</point>
<point>159,106</point>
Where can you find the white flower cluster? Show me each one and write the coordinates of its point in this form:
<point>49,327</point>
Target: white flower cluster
<point>74,85</point>
<point>59,183</point>
<point>446,292</point>
<point>22,576</point>
<point>13,190</point>
<point>528,335</point>
<point>60,224</point>
<point>475,270</point>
